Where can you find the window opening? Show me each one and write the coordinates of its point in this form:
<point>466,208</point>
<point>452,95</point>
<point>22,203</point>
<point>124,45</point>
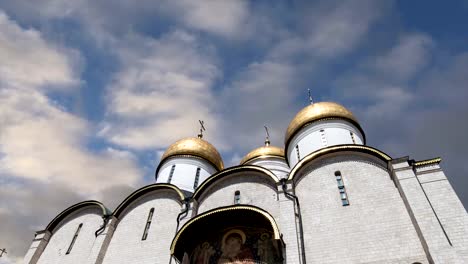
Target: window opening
<point>324,139</point>
<point>148,224</point>
<point>171,173</point>
<point>341,188</point>
<point>237,197</point>
<point>297,153</point>
<point>197,178</point>
<point>74,238</point>
<point>352,137</point>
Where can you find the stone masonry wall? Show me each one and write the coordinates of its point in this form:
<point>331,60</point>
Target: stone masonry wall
<point>56,249</point>
<point>127,245</point>
<point>374,228</point>
<point>254,190</point>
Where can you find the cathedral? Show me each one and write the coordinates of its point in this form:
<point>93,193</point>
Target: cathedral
<point>326,197</point>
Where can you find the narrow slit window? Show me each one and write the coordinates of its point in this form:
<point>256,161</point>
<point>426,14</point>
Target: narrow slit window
<point>74,238</point>
<point>352,137</point>
<point>171,173</point>
<point>197,178</point>
<point>323,137</point>
<point>298,154</point>
<point>341,188</point>
<point>237,197</point>
<point>148,224</point>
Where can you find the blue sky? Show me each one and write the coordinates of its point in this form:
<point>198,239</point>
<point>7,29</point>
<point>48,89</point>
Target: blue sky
<point>92,92</point>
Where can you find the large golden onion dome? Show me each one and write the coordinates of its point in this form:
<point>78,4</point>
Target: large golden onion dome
<point>195,147</point>
<point>318,111</point>
<point>265,151</point>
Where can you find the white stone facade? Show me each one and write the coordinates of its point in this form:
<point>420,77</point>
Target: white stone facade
<point>340,202</point>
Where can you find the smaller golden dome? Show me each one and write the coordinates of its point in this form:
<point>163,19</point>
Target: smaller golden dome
<point>263,151</point>
<point>195,147</point>
<point>316,112</point>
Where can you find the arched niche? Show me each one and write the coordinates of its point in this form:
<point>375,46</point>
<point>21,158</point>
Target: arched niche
<point>372,153</point>
<point>177,194</point>
<point>91,204</point>
<point>236,233</point>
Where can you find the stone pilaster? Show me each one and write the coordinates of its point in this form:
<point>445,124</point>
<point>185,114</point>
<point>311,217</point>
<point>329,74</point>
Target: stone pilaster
<point>419,203</point>
<point>105,237</point>
<point>288,225</point>
<point>39,243</point>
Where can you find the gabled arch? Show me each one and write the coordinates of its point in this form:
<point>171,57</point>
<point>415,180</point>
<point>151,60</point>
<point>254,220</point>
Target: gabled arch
<point>60,217</point>
<point>193,225</point>
<point>339,148</point>
<point>236,169</point>
<point>144,190</point>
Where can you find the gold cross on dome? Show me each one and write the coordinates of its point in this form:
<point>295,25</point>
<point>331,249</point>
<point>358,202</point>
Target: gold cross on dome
<point>267,136</point>
<point>202,128</point>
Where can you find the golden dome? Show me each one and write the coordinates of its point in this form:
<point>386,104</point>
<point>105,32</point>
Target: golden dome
<point>195,147</point>
<point>316,112</point>
<point>263,151</point>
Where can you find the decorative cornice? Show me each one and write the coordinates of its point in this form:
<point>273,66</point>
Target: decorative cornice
<point>60,217</point>
<point>338,148</point>
<point>427,162</point>
<point>270,218</point>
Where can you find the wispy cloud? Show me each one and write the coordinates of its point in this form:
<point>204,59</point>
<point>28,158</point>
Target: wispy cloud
<point>163,88</point>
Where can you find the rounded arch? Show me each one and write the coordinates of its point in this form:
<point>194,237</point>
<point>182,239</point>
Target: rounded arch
<point>241,168</point>
<point>82,205</point>
<point>339,148</point>
<point>144,190</point>
<point>231,216</point>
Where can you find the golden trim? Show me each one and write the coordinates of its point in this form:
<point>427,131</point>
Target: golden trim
<point>61,216</point>
<point>230,170</point>
<point>264,157</point>
<point>428,162</point>
<point>265,151</point>
<point>154,186</point>
<point>324,151</point>
<point>234,207</point>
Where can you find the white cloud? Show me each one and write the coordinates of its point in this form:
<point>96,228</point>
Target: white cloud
<point>222,17</point>
<point>382,81</point>
<point>42,142</point>
<point>29,61</point>
<point>338,28</point>
<point>43,153</point>
<point>408,57</point>
<point>160,94</point>
<point>262,94</point>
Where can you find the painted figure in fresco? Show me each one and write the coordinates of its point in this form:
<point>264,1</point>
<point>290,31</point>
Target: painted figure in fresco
<point>233,249</point>
<point>202,254</point>
<point>266,250</point>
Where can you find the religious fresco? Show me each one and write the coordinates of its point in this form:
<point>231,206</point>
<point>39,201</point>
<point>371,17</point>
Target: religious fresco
<point>236,245</point>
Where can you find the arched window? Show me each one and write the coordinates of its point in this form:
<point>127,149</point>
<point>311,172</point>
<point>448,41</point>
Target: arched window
<point>197,178</point>
<point>171,173</point>
<point>237,197</point>
<point>148,224</point>
<point>74,238</point>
